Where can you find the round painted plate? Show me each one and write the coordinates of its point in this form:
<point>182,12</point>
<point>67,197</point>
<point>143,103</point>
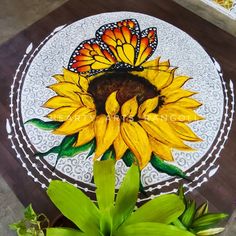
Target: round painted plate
<point>174,104</point>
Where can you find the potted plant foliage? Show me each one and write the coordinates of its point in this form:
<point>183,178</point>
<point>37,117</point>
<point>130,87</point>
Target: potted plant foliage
<point>115,214</point>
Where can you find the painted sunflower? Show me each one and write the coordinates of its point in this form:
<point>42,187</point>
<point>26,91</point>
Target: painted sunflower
<point>128,106</point>
<point>228,4</point>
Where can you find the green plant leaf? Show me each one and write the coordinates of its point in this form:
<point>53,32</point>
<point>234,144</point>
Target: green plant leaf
<point>127,196</point>
<point>109,154</point>
<point>163,209</point>
<point>128,158</point>
<point>164,167</point>
<point>202,210</point>
<point>179,224</point>
<point>189,213</point>
<point>106,222</point>
<point>104,178</point>
<point>24,232</point>
<point>151,229</point>
<point>209,220</point>
<point>17,225</point>
<point>75,205</point>
<point>181,193</point>
<point>40,233</point>
<point>64,232</point>
<point>29,213</point>
<point>45,125</point>
<point>212,231</point>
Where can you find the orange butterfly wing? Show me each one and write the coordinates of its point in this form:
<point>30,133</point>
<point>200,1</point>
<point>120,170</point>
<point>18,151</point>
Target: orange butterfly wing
<point>147,45</point>
<point>120,44</point>
<point>90,57</point>
<point>122,39</point>
<point>127,43</point>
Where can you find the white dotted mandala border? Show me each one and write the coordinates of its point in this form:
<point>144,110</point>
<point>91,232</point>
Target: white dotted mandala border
<point>13,135</point>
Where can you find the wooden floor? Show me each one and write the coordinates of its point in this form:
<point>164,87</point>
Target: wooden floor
<point>15,16</point>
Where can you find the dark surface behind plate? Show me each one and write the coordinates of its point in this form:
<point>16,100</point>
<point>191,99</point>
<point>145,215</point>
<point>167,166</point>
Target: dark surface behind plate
<point>220,190</point>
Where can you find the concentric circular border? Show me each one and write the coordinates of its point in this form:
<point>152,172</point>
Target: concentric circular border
<point>42,174</point>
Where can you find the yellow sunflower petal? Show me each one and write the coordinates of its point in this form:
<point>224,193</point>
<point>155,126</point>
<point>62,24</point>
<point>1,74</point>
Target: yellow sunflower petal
<point>164,78</point>
<point>70,76</point>
<point>188,103</point>
<point>85,135</point>
<point>162,150</point>
<point>130,108</point>
<point>59,78</point>
<point>147,106</point>
<point>153,64</point>
<point>161,130</point>
<point>80,118</point>
<point>165,65</point>
<point>83,82</point>
<point>106,131</point>
<point>120,147</point>
<point>112,105</point>
<point>87,100</point>
<point>150,70</point>
<point>177,94</point>
<point>57,102</point>
<point>66,90</point>
<point>177,83</point>
<point>172,112</point>
<point>61,114</point>
<point>184,132</point>
<point>137,140</point>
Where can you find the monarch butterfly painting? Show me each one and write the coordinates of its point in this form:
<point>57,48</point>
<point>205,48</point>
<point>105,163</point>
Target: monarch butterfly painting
<point>114,102</point>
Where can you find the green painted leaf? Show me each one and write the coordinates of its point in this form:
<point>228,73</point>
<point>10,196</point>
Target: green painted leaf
<point>212,231</point>
<point>68,150</point>
<point>68,141</point>
<point>75,206</point>
<point>64,232</point>
<point>202,210</point>
<point>45,125</point>
<point>55,149</point>
<point>167,168</point>
<point>209,220</point>
<point>127,196</point>
<point>188,215</point>
<point>163,209</point>
<point>109,154</point>
<point>151,229</point>
<point>92,148</point>
<point>104,178</point>
<point>128,158</point>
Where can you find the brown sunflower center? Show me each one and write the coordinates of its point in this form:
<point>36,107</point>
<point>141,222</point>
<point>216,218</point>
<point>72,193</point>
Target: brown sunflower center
<point>127,85</point>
